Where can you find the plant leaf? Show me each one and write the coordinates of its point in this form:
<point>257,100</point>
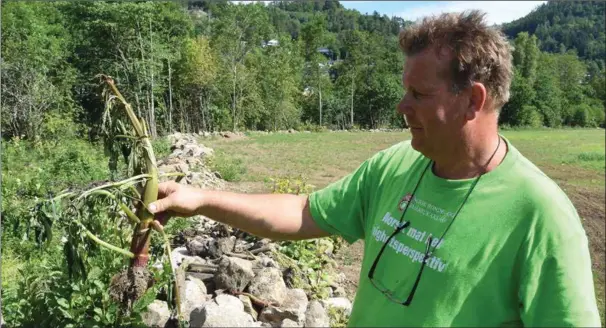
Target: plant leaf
<point>63,303</point>
<point>145,300</point>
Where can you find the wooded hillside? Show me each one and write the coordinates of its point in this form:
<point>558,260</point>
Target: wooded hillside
<point>209,66</point>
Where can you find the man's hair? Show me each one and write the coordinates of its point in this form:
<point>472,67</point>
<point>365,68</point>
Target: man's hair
<point>480,53</point>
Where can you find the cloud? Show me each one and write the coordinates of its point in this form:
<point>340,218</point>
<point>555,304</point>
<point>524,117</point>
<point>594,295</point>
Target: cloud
<point>497,12</point>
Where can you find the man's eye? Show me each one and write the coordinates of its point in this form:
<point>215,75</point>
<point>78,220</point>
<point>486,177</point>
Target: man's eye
<point>415,94</point>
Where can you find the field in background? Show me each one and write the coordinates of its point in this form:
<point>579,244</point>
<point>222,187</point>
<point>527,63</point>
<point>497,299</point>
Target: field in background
<point>574,158</point>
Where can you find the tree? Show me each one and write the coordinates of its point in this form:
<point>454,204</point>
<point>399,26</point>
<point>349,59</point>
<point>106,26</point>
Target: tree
<point>237,30</point>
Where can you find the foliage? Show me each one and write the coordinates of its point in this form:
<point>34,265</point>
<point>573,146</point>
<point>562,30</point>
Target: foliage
<point>313,257</point>
<point>214,68</point>
<point>337,317</point>
<point>566,25</point>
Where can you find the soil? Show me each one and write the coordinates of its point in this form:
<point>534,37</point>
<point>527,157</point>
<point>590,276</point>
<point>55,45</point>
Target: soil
<point>129,285</point>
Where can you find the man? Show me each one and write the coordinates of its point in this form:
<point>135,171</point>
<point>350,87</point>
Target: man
<point>460,229</point>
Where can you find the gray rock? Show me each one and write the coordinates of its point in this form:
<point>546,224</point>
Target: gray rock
<point>204,247</point>
<point>339,292</point>
<point>269,285</point>
<point>338,302</point>
<point>290,323</point>
<point>223,311</point>
<point>233,274</point>
<point>194,296</point>
<point>226,245</point>
<point>262,262</point>
<point>181,254</point>
<point>248,307</point>
<point>156,315</point>
<point>293,308</point>
<point>316,315</point>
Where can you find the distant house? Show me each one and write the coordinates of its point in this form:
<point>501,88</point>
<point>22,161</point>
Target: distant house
<point>270,43</point>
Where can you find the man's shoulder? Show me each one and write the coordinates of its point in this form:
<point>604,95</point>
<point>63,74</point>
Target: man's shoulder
<point>395,156</point>
<point>542,198</point>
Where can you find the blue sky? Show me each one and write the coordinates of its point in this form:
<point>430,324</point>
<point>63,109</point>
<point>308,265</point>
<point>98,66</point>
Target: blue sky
<point>497,12</point>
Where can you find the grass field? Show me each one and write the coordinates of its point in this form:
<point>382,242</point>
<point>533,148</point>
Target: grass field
<point>574,158</point>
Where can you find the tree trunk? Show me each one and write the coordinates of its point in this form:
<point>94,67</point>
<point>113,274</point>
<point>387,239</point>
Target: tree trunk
<point>170,99</point>
<point>233,106</point>
<point>202,111</point>
<point>352,101</point>
<point>320,98</point>
<point>152,123</point>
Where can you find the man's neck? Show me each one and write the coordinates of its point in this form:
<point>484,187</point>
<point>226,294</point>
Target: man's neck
<point>472,157</point>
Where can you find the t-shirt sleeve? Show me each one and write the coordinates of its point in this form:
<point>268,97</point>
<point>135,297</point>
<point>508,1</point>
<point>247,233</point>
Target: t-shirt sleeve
<point>340,207</point>
<point>557,288</point>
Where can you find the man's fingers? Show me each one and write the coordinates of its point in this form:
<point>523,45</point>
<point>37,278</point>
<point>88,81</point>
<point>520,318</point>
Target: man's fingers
<point>167,188</point>
<point>160,205</point>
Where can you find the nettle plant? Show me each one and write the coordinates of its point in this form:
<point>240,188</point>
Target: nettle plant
<point>118,211</point>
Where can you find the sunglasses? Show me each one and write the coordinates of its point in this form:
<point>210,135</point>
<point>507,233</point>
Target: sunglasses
<point>386,291</point>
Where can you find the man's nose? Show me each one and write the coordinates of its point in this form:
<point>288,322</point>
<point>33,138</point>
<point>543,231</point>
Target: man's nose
<point>404,106</point>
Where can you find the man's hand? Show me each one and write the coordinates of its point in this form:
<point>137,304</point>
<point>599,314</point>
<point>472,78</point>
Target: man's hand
<point>175,199</point>
<point>275,216</point>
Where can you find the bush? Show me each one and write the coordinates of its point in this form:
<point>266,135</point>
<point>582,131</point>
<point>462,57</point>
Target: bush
<point>582,116</point>
<point>529,116</point>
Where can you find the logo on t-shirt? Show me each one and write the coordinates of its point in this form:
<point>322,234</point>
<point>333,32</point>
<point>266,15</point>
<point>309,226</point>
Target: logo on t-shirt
<point>404,202</point>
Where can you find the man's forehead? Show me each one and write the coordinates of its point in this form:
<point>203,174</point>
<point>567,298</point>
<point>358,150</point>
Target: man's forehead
<point>425,67</point>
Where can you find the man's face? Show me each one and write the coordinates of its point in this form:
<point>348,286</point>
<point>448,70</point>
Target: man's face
<point>434,114</point>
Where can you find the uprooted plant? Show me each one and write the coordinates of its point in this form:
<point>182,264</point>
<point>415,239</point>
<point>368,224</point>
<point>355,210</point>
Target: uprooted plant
<point>118,206</point>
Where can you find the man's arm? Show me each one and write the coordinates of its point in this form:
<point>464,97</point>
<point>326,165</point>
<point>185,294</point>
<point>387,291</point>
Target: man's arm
<point>274,216</point>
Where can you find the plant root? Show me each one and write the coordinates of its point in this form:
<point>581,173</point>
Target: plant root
<point>129,285</point>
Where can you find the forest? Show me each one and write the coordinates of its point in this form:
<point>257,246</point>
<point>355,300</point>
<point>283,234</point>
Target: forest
<point>213,66</point>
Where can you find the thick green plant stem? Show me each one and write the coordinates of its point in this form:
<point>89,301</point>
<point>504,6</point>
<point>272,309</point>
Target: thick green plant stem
<point>141,235</point>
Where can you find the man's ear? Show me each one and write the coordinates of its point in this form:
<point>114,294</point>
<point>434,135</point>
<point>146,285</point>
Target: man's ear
<point>477,99</point>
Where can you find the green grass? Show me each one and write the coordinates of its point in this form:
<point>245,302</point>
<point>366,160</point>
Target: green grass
<point>325,157</point>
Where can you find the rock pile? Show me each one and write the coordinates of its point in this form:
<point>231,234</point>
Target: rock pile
<point>229,278</point>
<point>190,158</point>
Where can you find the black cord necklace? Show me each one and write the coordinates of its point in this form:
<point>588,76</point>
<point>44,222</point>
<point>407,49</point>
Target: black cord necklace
<point>428,252</point>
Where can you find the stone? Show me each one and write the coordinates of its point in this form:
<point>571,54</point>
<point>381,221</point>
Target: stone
<point>338,302</point>
<point>193,296</point>
<point>156,314</point>
<point>316,315</point>
<point>339,292</point>
<point>203,247</point>
<point>233,274</point>
<point>269,285</point>
<point>179,254</point>
<point>248,306</point>
<point>226,245</point>
<point>289,323</point>
<point>293,308</point>
<point>224,311</point>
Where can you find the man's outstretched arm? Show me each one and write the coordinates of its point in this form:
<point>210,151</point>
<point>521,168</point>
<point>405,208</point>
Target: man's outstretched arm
<point>274,216</point>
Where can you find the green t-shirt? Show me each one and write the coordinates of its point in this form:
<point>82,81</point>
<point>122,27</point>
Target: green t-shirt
<point>516,254</point>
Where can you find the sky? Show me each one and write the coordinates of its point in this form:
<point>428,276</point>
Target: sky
<point>497,12</point>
